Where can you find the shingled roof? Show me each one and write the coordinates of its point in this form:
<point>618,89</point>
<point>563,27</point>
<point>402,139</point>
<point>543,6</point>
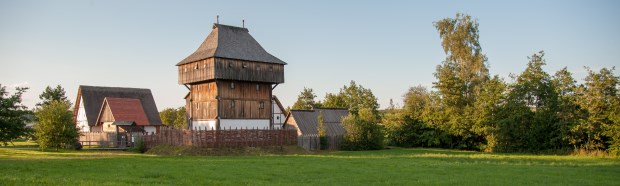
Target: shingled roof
<point>307,120</point>
<point>231,42</point>
<point>93,96</point>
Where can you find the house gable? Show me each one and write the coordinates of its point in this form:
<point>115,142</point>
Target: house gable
<point>122,110</point>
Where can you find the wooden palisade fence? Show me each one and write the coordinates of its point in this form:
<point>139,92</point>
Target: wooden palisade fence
<point>221,138</point>
<point>108,139</point>
<point>210,138</point>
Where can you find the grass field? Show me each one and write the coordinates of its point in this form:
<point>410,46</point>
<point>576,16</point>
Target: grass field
<point>385,167</point>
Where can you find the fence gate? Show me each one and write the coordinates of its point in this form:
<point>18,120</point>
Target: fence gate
<point>119,140</point>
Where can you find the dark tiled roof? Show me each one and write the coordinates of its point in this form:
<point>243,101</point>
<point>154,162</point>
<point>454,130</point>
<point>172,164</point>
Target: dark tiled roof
<point>307,121</point>
<point>127,109</point>
<point>231,42</point>
<point>93,96</point>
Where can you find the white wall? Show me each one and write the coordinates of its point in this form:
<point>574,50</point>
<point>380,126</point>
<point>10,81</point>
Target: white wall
<point>201,125</point>
<point>244,123</point>
<point>82,122</point>
<point>232,124</point>
<point>108,127</point>
<point>278,115</point>
<point>150,129</point>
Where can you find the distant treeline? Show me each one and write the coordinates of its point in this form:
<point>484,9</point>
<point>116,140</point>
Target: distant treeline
<point>469,109</point>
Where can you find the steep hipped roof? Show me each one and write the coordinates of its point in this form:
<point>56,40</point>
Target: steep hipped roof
<point>231,42</point>
<point>93,96</point>
<point>307,120</point>
<point>125,110</point>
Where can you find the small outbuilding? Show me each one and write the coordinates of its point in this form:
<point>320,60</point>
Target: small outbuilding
<point>306,121</point>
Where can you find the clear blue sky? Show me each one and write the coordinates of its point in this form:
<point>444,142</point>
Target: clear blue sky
<point>384,46</point>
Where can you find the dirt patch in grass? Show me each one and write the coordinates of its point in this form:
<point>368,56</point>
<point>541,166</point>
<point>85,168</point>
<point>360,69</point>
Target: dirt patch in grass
<point>168,150</point>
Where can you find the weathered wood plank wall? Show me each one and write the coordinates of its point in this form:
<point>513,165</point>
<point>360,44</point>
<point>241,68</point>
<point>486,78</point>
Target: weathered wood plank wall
<point>230,69</point>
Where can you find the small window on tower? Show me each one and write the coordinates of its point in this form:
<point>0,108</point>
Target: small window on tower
<point>261,105</point>
<point>270,69</point>
<point>230,65</point>
<point>232,104</point>
<point>257,87</point>
<point>232,85</point>
<point>196,67</point>
<point>245,65</point>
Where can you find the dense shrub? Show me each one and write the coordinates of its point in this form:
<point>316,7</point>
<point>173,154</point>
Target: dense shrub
<point>362,132</point>
<point>139,146</point>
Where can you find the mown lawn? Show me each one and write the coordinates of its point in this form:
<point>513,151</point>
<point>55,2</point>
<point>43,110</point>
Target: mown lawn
<point>385,167</point>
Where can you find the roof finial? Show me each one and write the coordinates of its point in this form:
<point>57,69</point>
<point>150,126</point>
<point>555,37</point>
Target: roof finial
<point>217,19</point>
<point>243,23</point>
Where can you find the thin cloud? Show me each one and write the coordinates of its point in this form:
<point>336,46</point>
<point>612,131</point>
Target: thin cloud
<point>21,84</point>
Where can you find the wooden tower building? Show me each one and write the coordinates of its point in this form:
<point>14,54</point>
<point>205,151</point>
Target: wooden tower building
<point>230,78</point>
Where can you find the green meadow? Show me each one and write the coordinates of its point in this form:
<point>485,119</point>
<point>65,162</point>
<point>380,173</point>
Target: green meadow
<point>414,166</point>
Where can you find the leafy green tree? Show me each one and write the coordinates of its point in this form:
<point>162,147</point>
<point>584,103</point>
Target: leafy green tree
<point>613,131</point>
<point>363,133</point>
<point>174,117</point>
<point>569,113</point>
<point>460,78</point>
<point>532,120</point>
<point>407,127</point>
<point>354,98</point>
<point>322,131</point>
<point>404,131</point>
<point>599,97</point>
<point>513,125</point>
<point>488,105</point>
<point>55,127</point>
<point>168,116</point>
<point>305,100</point>
<point>416,100</point>
<point>180,121</point>
<point>12,115</point>
<point>334,101</point>
<point>391,106</point>
<point>52,94</point>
